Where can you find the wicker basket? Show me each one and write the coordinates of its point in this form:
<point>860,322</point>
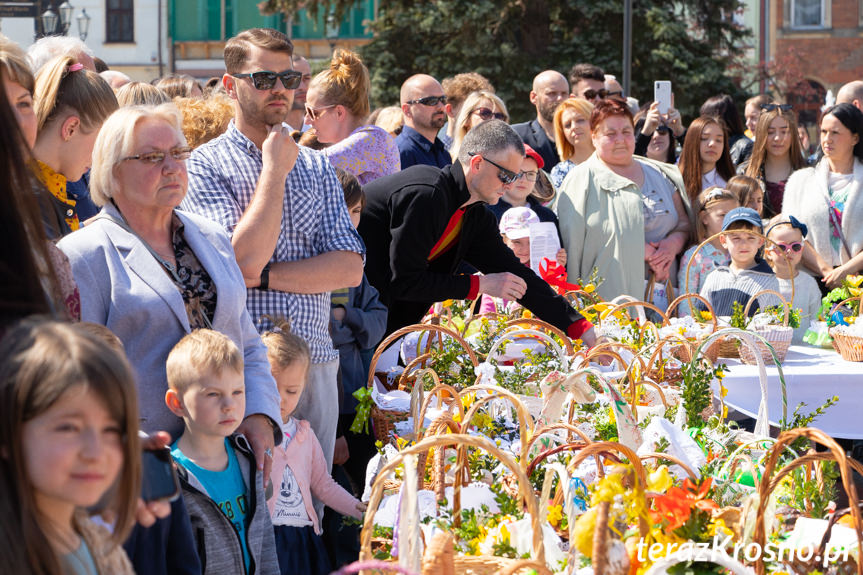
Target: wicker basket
<point>384,420</point>
<point>778,336</point>
<point>769,483</point>
<point>850,347</point>
<point>684,352</point>
<point>463,565</point>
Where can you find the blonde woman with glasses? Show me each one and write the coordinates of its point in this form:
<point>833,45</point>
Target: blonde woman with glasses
<point>478,107</point>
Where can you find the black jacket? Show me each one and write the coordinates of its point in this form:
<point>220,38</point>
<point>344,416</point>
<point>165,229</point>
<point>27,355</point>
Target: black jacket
<point>534,136</point>
<point>404,216</point>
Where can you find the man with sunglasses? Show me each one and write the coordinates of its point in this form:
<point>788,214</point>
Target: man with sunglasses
<point>424,108</point>
<point>421,224</point>
<point>588,82</point>
<point>550,88</point>
<point>285,211</point>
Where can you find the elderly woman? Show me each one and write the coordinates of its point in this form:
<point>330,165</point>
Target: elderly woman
<point>571,136</point>
<point>828,198</point>
<point>337,105</point>
<point>478,107</point>
<point>152,274</point>
<point>621,214</point>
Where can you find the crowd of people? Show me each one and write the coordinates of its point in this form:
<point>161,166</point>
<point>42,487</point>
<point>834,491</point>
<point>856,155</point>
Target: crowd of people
<point>213,263</point>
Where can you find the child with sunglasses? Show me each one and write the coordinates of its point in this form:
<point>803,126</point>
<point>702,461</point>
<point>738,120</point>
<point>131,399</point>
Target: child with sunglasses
<point>788,234</point>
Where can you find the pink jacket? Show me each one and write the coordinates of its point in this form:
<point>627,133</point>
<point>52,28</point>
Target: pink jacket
<point>306,459</point>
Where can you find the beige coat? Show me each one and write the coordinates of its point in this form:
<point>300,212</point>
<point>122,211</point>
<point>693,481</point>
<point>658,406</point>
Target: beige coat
<point>109,557</point>
<point>602,225</point>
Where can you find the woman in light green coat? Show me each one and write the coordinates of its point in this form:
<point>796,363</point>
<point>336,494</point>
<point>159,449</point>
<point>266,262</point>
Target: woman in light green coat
<point>624,215</point>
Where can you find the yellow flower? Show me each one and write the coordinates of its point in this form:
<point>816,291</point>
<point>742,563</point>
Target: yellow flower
<point>851,319</point>
<point>555,514</point>
<point>659,481</point>
<point>724,412</point>
<point>706,315</point>
<point>447,303</point>
<point>526,314</point>
<point>723,391</point>
<point>582,532</point>
<point>718,527</point>
<point>855,280</point>
<point>589,288</point>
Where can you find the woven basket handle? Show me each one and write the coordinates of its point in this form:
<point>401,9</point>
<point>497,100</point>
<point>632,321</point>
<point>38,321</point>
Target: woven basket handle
<point>676,460</point>
<point>857,298</point>
<point>640,306</point>
<point>359,566</point>
<point>690,296</point>
<point>787,305</point>
<point>396,335</point>
<point>540,324</point>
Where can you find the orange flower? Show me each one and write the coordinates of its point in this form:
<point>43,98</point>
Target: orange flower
<point>676,505</point>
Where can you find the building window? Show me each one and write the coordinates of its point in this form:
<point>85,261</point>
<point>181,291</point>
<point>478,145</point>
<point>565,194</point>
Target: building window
<point>119,22</point>
<point>809,13</point>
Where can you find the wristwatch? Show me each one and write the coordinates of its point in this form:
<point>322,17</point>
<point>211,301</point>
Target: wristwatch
<point>265,278</point>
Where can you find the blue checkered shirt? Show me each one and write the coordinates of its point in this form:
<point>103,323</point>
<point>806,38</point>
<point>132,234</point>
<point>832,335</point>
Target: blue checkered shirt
<point>223,174</point>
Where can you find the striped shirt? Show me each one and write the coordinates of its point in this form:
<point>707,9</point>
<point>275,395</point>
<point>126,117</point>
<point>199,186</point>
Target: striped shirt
<point>725,286</point>
<point>223,174</point>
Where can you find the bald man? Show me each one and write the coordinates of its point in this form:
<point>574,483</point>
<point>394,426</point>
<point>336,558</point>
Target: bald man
<point>550,88</point>
<point>423,105</point>
<point>851,93</point>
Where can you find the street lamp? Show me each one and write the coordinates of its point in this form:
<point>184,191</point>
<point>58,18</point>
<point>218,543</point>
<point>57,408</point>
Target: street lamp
<point>83,20</point>
<point>332,30</point>
<point>50,20</point>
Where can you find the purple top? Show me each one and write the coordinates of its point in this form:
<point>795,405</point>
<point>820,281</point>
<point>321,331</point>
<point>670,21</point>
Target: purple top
<point>368,153</point>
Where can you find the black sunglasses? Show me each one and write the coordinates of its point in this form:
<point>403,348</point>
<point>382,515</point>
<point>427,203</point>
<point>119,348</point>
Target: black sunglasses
<point>291,79</point>
<point>485,114</point>
<point>590,94</point>
<point>429,100</point>
<point>771,107</point>
<point>505,176</point>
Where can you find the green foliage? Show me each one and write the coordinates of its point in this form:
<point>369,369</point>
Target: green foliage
<point>738,319</point>
<point>693,43</point>
<point>777,314</point>
<point>695,389</point>
<point>805,493</point>
<point>798,419</point>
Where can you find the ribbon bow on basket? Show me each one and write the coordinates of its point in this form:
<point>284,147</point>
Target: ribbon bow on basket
<point>555,275</point>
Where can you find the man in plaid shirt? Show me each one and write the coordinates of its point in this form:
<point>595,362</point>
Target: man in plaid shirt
<point>285,211</point>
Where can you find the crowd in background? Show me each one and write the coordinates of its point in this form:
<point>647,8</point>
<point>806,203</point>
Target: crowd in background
<point>213,263</point>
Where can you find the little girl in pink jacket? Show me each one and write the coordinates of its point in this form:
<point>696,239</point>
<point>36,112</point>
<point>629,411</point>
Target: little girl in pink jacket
<point>299,469</point>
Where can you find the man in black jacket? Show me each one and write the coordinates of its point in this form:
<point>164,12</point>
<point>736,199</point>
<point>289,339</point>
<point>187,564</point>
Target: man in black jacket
<point>420,224</point>
<point>550,88</point>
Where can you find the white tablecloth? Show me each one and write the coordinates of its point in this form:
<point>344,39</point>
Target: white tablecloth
<point>811,376</point>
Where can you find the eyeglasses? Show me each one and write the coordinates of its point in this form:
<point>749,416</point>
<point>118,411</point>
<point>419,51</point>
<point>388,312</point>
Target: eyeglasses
<point>590,93</point>
<point>154,158</point>
<point>485,114</point>
<point>504,175</point>
<point>429,101</point>
<point>771,107</point>
<point>315,113</point>
<point>530,176</point>
<point>291,79</point>
<point>792,247</point>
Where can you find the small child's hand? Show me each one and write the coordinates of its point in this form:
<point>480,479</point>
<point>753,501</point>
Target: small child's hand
<point>561,257</point>
<point>338,313</point>
<point>340,452</point>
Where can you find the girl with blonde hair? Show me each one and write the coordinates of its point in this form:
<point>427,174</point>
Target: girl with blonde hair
<point>775,154</point>
<point>478,107</point>
<point>337,105</point>
<point>72,103</point>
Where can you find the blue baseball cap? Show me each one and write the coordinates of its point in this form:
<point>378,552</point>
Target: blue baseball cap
<point>747,215</point>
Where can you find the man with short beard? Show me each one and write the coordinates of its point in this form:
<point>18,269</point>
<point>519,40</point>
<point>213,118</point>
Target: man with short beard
<point>423,105</point>
<point>298,108</point>
<point>550,88</point>
<point>285,211</point>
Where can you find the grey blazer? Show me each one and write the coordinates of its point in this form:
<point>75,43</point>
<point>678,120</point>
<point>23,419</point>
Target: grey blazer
<point>123,287</point>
